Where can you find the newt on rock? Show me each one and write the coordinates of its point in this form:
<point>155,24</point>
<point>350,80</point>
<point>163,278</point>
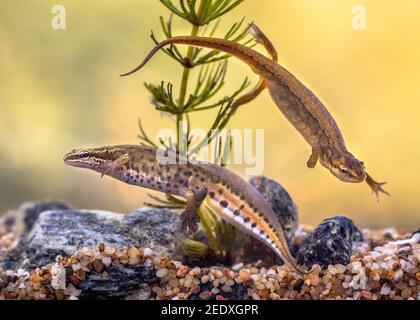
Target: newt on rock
<point>300,106</point>
<point>223,191</point>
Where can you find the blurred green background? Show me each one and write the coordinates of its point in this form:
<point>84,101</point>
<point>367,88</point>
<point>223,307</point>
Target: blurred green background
<point>60,89</point>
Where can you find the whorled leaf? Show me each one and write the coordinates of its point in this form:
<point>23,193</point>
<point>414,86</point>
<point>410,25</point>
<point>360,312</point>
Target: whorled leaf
<point>200,14</point>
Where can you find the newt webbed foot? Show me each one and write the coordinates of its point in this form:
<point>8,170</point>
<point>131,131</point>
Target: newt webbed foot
<point>189,220</point>
<point>376,186</point>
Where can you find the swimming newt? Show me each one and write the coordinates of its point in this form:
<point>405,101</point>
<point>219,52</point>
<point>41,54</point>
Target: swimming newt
<point>300,106</point>
<point>223,191</point>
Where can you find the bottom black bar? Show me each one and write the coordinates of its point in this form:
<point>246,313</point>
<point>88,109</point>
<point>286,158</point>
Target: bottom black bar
<point>215,309</point>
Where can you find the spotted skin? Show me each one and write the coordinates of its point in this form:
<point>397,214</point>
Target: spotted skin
<point>223,191</point>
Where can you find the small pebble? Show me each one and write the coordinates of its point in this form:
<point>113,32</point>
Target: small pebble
<point>205,279</point>
<point>385,290</point>
<point>161,273</point>
<point>244,275</point>
<point>406,293</point>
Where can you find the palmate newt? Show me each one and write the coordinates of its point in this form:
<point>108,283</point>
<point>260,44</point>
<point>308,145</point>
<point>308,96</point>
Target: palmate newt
<point>300,106</point>
<point>223,191</point>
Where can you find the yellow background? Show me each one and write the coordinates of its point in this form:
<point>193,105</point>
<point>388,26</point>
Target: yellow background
<point>60,90</point>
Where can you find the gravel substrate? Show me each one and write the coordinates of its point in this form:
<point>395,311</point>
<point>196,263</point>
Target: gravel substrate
<point>385,265</point>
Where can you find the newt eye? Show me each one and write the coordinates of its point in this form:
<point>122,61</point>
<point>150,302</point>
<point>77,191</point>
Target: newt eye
<point>84,155</point>
<point>344,171</point>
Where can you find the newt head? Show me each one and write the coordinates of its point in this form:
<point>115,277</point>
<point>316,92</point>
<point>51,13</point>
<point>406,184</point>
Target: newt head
<point>346,167</point>
<point>103,159</point>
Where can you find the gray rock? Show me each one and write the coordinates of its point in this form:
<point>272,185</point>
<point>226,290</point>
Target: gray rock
<point>330,243</point>
<point>62,232</point>
<point>123,281</point>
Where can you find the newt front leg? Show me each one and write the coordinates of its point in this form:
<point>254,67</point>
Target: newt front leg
<point>115,164</point>
<point>313,159</point>
<point>376,187</point>
<point>194,196</point>
<point>189,218</point>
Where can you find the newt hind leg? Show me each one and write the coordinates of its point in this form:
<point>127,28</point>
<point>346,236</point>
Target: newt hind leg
<point>262,39</point>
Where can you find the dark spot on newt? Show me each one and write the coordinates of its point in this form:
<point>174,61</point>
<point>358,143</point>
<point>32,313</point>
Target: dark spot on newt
<point>236,212</point>
<point>187,173</point>
<point>224,203</point>
<point>211,194</point>
<point>220,191</point>
<point>254,225</point>
<point>247,219</point>
<point>214,179</point>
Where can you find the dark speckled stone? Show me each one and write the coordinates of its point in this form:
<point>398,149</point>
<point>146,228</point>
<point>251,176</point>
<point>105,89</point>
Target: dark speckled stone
<point>122,281</point>
<point>286,211</point>
<point>330,243</point>
<point>281,203</point>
